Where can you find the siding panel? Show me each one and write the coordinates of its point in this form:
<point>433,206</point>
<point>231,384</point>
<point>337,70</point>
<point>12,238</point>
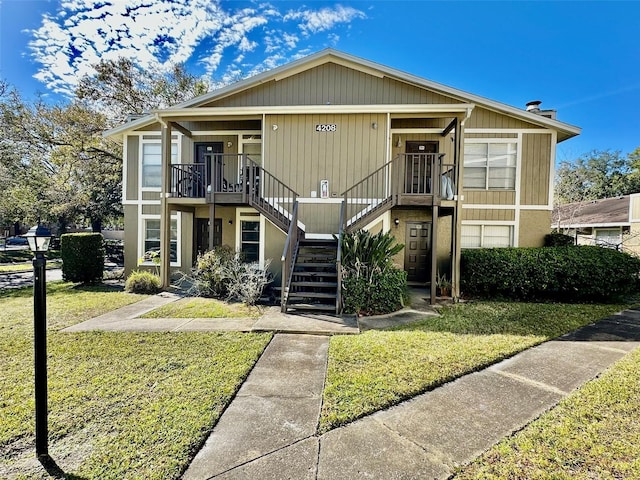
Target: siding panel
<point>536,171</point>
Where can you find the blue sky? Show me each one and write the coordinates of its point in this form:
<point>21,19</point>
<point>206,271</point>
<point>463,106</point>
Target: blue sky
<point>581,58</point>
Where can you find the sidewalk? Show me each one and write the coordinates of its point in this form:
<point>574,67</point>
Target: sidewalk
<point>268,431</point>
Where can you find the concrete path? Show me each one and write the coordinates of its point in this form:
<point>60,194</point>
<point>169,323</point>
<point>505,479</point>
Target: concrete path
<point>268,431</point>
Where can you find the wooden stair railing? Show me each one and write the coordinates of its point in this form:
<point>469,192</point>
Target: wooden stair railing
<point>289,254</point>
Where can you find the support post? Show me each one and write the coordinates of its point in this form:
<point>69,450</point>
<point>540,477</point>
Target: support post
<point>165,213</point>
<point>457,214</point>
<point>40,355</point>
<point>434,251</point>
<point>212,221</point>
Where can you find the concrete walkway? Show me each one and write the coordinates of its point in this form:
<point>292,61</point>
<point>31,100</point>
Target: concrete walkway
<point>268,431</point>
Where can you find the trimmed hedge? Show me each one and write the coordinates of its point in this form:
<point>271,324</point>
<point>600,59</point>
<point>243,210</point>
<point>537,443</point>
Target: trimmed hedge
<point>385,293</point>
<point>82,257</point>
<point>567,274</point>
<point>558,240</point>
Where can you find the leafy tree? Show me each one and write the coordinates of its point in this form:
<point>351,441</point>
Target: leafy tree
<point>597,174</point>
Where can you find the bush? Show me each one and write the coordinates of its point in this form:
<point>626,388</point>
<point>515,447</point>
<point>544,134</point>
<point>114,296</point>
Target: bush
<point>142,282</point>
<point>385,292</point>
<point>371,284</point>
<point>567,274</point>
<point>82,257</point>
<point>222,273</point>
<point>558,240</point>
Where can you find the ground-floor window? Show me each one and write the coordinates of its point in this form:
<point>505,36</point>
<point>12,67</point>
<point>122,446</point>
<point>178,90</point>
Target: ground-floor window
<point>151,245</point>
<point>250,240</point>
<point>486,236</point>
<point>608,237</point>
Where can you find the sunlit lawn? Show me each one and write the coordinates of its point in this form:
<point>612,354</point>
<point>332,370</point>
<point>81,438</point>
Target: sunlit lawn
<point>378,369</point>
<point>592,434</point>
<point>121,405</point>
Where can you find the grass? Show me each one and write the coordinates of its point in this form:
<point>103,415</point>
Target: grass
<point>26,267</point>
<point>24,255</point>
<point>204,308</point>
<point>593,433</point>
<point>121,405</point>
<point>378,369</point>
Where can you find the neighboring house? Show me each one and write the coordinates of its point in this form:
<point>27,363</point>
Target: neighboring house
<point>609,222</point>
<point>332,143</point>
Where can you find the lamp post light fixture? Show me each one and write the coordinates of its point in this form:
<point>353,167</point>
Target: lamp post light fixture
<point>39,238</point>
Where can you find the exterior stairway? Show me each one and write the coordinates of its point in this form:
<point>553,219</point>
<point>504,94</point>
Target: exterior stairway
<point>314,281</point>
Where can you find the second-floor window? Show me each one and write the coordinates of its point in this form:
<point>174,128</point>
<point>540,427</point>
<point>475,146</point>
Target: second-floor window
<point>152,163</point>
<point>490,166</point>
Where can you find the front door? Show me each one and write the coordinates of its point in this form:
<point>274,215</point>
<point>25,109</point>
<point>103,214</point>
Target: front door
<point>418,165</point>
<point>202,235</point>
<point>417,255</point>
<point>211,148</point>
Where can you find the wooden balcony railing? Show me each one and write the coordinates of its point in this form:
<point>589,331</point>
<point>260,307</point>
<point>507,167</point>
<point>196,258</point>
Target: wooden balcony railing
<point>407,180</point>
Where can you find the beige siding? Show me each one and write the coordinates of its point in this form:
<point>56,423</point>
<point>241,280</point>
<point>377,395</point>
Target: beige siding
<point>399,232</point>
<point>274,244</point>
<point>492,135</point>
<point>151,209</point>
<point>130,238</point>
<point>150,195</point>
<point>133,165</point>
<point>335,84</point>
<point>490,197</point>
<point>301,157</point>
<point>534,225</point>
<point>535,169</point>
<point>634,206</point>
<point>488,214</point>
<point>320,218</point>
<point>483,118</point>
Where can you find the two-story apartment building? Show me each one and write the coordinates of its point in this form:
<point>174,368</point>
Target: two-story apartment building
<point>277,164</point>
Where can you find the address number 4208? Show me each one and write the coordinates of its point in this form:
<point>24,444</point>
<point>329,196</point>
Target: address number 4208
<point>326,127</point>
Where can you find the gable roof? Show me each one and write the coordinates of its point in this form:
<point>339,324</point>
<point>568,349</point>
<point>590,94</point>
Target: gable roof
<point>606,212</point>
<point>328,55</point>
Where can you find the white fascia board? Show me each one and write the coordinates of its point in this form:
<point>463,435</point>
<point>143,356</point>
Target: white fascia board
<point>315,109</point>
<point>590,225</point>
<point>133,125</point>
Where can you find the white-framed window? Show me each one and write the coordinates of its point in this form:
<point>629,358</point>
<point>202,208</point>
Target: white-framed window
<point>150,240</point>
<point>250,240</point>
<point>608,237</point>
<point>490,165</point>
<point>486,236</point>
<point>151,171</point>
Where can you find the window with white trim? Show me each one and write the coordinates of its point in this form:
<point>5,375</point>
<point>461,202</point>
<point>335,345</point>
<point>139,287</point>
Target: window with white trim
<point>608,237</point>
<point>151,246</point>
<point>490,166</point>
<point>250,240</point>
<point>486,236</point>
<point>152,163</point>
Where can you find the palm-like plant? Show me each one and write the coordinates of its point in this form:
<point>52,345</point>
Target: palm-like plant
<point>366,254</point>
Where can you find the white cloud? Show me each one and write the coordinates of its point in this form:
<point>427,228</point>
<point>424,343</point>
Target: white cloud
<point>315,21</point>
<point>158,33</point>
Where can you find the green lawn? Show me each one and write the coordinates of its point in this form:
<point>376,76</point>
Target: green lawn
<point>378,369</point>
<point>592,434</point>
<point>204,308</point>
<point>27,267</point>
<point>24,255</point>
<point>122,405</point>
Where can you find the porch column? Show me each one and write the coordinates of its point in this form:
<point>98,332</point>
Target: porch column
<point>165,209</point>
<point>434,251</point>
<point>456,223</point>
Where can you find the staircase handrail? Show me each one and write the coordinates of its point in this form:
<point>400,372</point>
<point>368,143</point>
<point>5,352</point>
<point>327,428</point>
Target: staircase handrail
<point>287,256</point>
<point>339,258</point>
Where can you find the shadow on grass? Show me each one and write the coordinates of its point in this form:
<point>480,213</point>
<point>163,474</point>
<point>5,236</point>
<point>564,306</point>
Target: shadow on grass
<point>60,288</point>
<point>55,471</point>
<point>548,320</point>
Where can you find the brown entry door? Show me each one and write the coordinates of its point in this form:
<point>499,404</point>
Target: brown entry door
<point>418,165</point>
<point>417,256</point>
<point>202,235</point>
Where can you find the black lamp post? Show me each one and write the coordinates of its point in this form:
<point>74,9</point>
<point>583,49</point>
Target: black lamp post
<point>39,238</point>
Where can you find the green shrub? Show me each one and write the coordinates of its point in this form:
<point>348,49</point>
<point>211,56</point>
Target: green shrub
<point>558,240</point>
<point>222,273</point>
<point>371,284</point>
<point>82,257</point>
<point>385,292</point>
<point>142,282</point>
<point>567,274</point>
